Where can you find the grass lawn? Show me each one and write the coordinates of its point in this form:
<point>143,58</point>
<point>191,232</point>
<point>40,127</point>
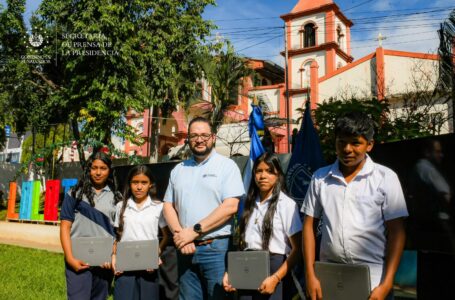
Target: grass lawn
<point>31,274</point>
<point>2,214</point>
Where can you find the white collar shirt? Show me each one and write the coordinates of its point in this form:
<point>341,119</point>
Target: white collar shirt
<point>354,214</point>
<point>286,223</point>
<point>140,223</point>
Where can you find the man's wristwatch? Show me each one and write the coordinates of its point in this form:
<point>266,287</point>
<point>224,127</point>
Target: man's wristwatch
<point>197,228</point>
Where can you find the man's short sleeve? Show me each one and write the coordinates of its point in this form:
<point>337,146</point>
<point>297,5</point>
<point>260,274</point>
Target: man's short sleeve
<point>68,207</point>
<point>169,195</point>
<point>394,205</point>
<point>312,203</point>
<point>232,184</point>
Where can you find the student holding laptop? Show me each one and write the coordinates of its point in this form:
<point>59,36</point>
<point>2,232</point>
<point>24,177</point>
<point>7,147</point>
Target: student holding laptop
<point>362,207</point>
<point>88,210</point>
<point>270,222</point>
<point>138,218</point>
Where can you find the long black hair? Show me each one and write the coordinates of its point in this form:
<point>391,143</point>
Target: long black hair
<point>84,185</point>
<point>267,227</point>
<point>136,170</point>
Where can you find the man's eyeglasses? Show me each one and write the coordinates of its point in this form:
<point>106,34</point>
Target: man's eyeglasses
<point>204,136</point>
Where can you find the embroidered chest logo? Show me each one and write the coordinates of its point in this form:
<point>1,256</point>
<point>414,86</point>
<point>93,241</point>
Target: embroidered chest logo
<point>209,175</point>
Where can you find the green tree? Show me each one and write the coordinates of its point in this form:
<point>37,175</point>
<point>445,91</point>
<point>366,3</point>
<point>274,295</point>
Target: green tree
<point>12,69</point>
<point>47,147</point>
<point>388,128</point>
<point>111,57</point>
<point>224,72</point>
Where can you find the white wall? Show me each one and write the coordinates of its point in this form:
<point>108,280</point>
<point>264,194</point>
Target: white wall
<point>297,62</point>
<point>298,101</point>
<point>338,59</point>
<point>270,96</point>
<point>233,139</point>
<point>353,82</point>
<point>404,74</point>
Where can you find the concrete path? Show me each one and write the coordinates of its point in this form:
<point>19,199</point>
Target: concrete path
<point>38,236</point>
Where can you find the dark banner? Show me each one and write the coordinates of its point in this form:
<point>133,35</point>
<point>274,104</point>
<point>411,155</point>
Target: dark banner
<point>425,168</point>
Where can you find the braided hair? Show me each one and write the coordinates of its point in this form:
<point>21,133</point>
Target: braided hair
<point>84,185</point>
<point>136,170</point>
<point>267,227</point>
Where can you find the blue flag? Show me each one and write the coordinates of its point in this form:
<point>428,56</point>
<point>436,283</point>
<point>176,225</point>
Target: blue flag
<point>305,160</point>
<point>255,124</point>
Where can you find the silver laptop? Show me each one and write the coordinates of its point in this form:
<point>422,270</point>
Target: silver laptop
<point>137,255</point>
<point>343,281</point>
<point>92,250</point>
<point>248,269</point>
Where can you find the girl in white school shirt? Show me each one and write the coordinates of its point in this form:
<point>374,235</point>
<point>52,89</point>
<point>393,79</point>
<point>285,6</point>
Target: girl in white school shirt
<point>138,217</point>
<point>270,221</point>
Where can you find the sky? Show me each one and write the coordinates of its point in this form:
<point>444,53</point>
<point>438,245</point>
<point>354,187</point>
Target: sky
<point>255,29</point>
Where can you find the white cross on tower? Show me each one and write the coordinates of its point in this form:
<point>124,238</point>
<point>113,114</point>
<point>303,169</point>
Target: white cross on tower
<point>380,39</point>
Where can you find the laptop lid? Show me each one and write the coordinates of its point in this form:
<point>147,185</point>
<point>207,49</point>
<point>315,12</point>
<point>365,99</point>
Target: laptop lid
<point>137,255</point>
<point>343,281</point>
<point>93,250</point>
<point>248,269</point>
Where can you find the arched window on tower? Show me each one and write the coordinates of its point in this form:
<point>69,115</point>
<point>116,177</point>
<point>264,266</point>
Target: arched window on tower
<point>305,74</point>
<point>309,35</point>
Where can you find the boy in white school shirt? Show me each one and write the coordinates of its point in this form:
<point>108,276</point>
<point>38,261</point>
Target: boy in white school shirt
<point>362,207</point>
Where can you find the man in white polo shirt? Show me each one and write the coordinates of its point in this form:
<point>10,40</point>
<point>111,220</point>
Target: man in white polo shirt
<point>200,201</point>
<point>362,207</point>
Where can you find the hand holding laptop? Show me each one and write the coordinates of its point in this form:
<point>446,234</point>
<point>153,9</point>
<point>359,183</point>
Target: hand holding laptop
<point>313,286</point>
<point>268,285</point>
<point>226,284</point>
<point>76,264</point>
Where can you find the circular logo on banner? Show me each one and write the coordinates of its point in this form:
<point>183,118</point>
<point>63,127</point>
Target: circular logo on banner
<point>36,39</point>
<point>298,179</point>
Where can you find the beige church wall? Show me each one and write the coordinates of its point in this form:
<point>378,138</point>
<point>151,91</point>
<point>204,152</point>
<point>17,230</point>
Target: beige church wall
<point>271,97</point>
<point>354,82</point>
<point>406,74</point>
<point>296,25</point>
<point>297,62</point>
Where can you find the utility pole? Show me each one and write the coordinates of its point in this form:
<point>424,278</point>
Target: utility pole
<point>288,123</point>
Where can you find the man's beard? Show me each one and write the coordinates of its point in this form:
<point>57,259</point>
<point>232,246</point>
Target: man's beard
<point>201,153</point>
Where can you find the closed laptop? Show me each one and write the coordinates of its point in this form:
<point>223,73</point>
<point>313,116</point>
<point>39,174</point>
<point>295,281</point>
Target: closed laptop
<point>137,255</point>
<point>248,269</point>
<point>343,281</point>
<point>92,250</point>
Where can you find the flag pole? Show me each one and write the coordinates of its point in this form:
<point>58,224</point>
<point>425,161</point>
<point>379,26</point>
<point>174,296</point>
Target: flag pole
<point>287,88</point>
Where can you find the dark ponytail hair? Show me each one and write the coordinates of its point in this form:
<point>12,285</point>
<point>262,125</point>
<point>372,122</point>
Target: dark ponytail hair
<point>136,170</point>
<point>267,227</point>
<point>84,185</point>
